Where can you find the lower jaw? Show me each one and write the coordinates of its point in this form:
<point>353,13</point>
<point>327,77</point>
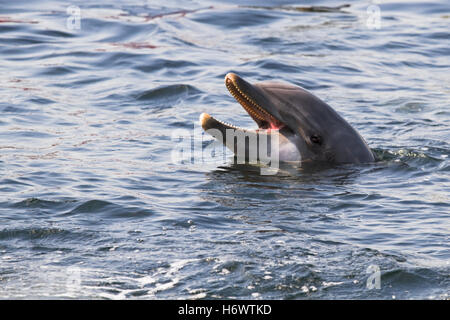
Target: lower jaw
<point>208,122</point>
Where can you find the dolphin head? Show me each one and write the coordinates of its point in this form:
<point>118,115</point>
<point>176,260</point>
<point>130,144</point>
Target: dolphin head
<point>309,129</point>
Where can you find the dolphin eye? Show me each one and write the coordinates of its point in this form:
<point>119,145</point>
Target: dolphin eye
<point>316,139</point>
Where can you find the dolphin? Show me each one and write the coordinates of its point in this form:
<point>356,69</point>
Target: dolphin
<point>308,129</point>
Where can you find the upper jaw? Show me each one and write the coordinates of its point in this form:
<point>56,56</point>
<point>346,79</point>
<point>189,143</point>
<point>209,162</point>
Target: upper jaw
<point>252,101</point>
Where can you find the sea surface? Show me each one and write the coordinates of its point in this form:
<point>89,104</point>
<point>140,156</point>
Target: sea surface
<point>99,101</point>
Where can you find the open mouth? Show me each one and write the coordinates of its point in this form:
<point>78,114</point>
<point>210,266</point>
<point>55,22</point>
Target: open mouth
<point>261,116</point>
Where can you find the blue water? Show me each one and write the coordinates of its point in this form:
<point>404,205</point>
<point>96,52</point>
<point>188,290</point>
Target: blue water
<point>93,205</point>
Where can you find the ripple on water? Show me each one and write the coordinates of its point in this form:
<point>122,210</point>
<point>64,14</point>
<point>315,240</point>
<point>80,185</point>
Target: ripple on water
<point>234,19</point>
<point>32,233</point>
<point>42,204</point>
<point>108,209</point>
<point>167,95</point>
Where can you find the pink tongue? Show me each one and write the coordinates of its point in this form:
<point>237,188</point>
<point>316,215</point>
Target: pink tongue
<point>276,127</point>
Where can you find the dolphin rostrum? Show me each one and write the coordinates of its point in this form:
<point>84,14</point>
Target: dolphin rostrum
<point>307,128</point>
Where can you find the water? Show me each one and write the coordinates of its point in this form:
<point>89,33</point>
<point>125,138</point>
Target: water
<point>92,205</point>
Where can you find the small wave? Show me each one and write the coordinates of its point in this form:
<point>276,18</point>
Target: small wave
<point>32,233</point>
<point>150,284</point>
<point>109,209</point>
<point>168,95</point>
<point>164,64</point>
<point>238,17</point>
<point>407,155</point>
<point>42,204</point>
<point>57,71</point>
<point>165,91</point>
<point>405,280</point>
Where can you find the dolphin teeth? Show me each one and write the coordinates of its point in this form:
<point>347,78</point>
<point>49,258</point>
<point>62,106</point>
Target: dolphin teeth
<point>229,125</point>
<point>239,97</point>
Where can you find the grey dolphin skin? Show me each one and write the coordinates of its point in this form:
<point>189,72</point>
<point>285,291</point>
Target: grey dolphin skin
<point>308,128</point>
